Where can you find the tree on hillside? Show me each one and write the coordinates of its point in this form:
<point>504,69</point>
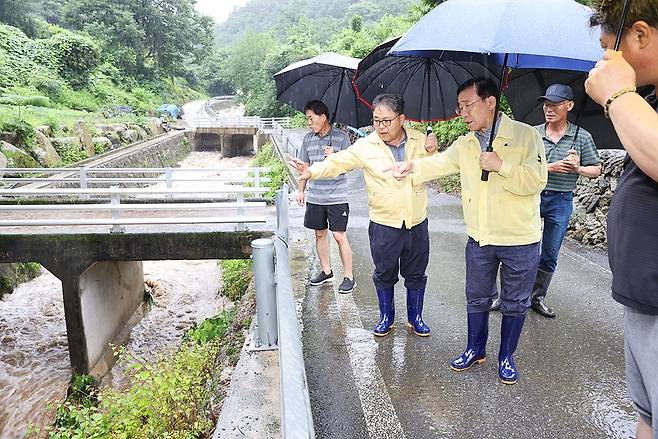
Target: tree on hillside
<point>17,13</point>
<point>327,17</point>
<point>144,37</point>
<point>49,10</point>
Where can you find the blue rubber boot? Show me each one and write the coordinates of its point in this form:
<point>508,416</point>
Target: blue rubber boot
<point>386,312</point>
<point>415,298</point>
<point>478,332</point>
<point>510,331</point>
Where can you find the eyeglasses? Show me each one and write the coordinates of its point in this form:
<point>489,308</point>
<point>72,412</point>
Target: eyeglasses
<point>466,108</point>
<point>384,122</point>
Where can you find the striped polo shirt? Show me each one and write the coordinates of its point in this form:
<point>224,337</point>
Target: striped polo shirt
<point>329,190</point>
<point>584,146</point>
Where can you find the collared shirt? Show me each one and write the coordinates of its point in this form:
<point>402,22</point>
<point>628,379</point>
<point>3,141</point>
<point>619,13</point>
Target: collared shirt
<point>584,146</point>
<point>505,209</point>
<point>390,202</point>
<point>398,151</point>
<point>331,190</point>
<point>633,237</point>
<point>483,138</point>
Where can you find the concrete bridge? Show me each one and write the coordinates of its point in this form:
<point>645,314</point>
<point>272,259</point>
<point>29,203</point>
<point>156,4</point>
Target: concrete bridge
<point>231,135</point>
<point>95,239</point>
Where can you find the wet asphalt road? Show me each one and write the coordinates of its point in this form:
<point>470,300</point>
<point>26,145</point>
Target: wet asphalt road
<point>400,386</point>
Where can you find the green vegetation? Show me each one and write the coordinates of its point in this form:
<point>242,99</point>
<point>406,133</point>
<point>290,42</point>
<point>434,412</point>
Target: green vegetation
<point>25,135</point>
<point>266,157</point>
<point>236,275</point>
<point>12,275</point>
<point>171,397</point>
<point>263,37</point>
<point>327,18</point>
<point>67,60</point>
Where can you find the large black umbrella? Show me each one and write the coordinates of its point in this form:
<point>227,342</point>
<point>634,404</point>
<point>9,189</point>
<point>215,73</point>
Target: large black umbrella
<point>328,78</point>
<point>427,85</point>
<point>525,85</point>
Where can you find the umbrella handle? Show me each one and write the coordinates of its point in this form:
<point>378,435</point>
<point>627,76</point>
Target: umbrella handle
<point>503,75</point>
<point>485,174</point>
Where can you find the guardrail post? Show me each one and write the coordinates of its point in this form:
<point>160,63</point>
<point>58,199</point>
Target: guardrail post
<point>257,177</point>
<point>116,214</point>
<point>168,181</point>
<point>281,202</point>
<point>83,180</point>
<point>262,251</point>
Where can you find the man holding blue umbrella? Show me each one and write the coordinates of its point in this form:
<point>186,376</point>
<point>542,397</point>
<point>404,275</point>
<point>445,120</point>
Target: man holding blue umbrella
<point>501,216</point>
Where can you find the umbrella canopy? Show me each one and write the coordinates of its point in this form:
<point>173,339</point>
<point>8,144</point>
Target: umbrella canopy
<point>328,78</point>
<point>552,34</point>
<point>549,34</point>
<point>526,83</point>
<point>427,85</point>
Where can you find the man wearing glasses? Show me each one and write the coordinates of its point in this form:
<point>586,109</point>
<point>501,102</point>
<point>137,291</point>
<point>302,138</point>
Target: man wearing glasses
<point>399,238</point>
<point>501,216</point>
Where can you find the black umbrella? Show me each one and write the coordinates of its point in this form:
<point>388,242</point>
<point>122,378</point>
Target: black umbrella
<point>328,78</point>
<point>525,85</point>
<point>427,85</point>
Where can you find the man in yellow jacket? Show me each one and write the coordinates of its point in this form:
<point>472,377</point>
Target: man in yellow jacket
<point>501,216</point>
<point>399,238</point>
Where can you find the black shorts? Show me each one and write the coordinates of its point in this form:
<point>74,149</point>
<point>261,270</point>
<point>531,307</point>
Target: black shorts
<point>317,216</point>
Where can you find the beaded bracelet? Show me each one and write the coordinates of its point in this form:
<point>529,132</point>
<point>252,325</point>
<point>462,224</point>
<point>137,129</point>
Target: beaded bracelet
<point>623,91</point>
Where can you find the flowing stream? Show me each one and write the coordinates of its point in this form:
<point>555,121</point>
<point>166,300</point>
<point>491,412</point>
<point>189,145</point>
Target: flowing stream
<point>34,361</point>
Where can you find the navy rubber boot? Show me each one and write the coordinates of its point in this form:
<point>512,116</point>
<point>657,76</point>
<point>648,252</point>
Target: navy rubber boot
<point>510,331</point>
<point>386,312</point>
<point>415,298</point>
<point>478,332</point>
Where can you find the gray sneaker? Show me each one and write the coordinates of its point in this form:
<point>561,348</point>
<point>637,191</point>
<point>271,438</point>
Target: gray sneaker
<point>322,278</point>
<point>347,286</point>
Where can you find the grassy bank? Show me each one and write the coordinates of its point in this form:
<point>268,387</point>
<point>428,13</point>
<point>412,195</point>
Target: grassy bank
<point>178,396</point>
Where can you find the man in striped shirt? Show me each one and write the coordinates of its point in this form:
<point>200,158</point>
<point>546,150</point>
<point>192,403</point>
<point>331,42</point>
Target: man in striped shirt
<point>570,153</point>
<point>326,199</point>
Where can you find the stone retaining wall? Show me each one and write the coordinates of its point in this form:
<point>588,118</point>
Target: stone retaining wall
<point>592,198</point>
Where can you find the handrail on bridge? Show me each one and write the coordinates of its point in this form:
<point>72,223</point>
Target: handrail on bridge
<point>285,142</point>
<point>115,194</point>
<point>169,177</point>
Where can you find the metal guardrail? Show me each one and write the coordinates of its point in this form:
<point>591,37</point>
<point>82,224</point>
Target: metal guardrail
<point>296,416</point>
<point>286,143</point>
<point>210,118</point>
<point>261,124</point>
<point>83,176</point>
<point>28,197</point>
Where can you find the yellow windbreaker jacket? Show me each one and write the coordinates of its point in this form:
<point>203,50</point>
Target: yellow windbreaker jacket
<point>505,209</point>
<point>390,202</point>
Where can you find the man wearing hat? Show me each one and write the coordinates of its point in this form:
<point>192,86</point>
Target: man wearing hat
<point>570,153</point>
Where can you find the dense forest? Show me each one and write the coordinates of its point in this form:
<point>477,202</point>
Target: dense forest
<point>326,17</point>
<point>91,55</point>
<point>88,54</point>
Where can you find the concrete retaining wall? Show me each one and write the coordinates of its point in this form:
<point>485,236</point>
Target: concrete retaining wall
<point>166,152</point>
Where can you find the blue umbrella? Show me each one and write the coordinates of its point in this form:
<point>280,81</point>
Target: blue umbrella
<point>550,34</point>
<point>534,34</point>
